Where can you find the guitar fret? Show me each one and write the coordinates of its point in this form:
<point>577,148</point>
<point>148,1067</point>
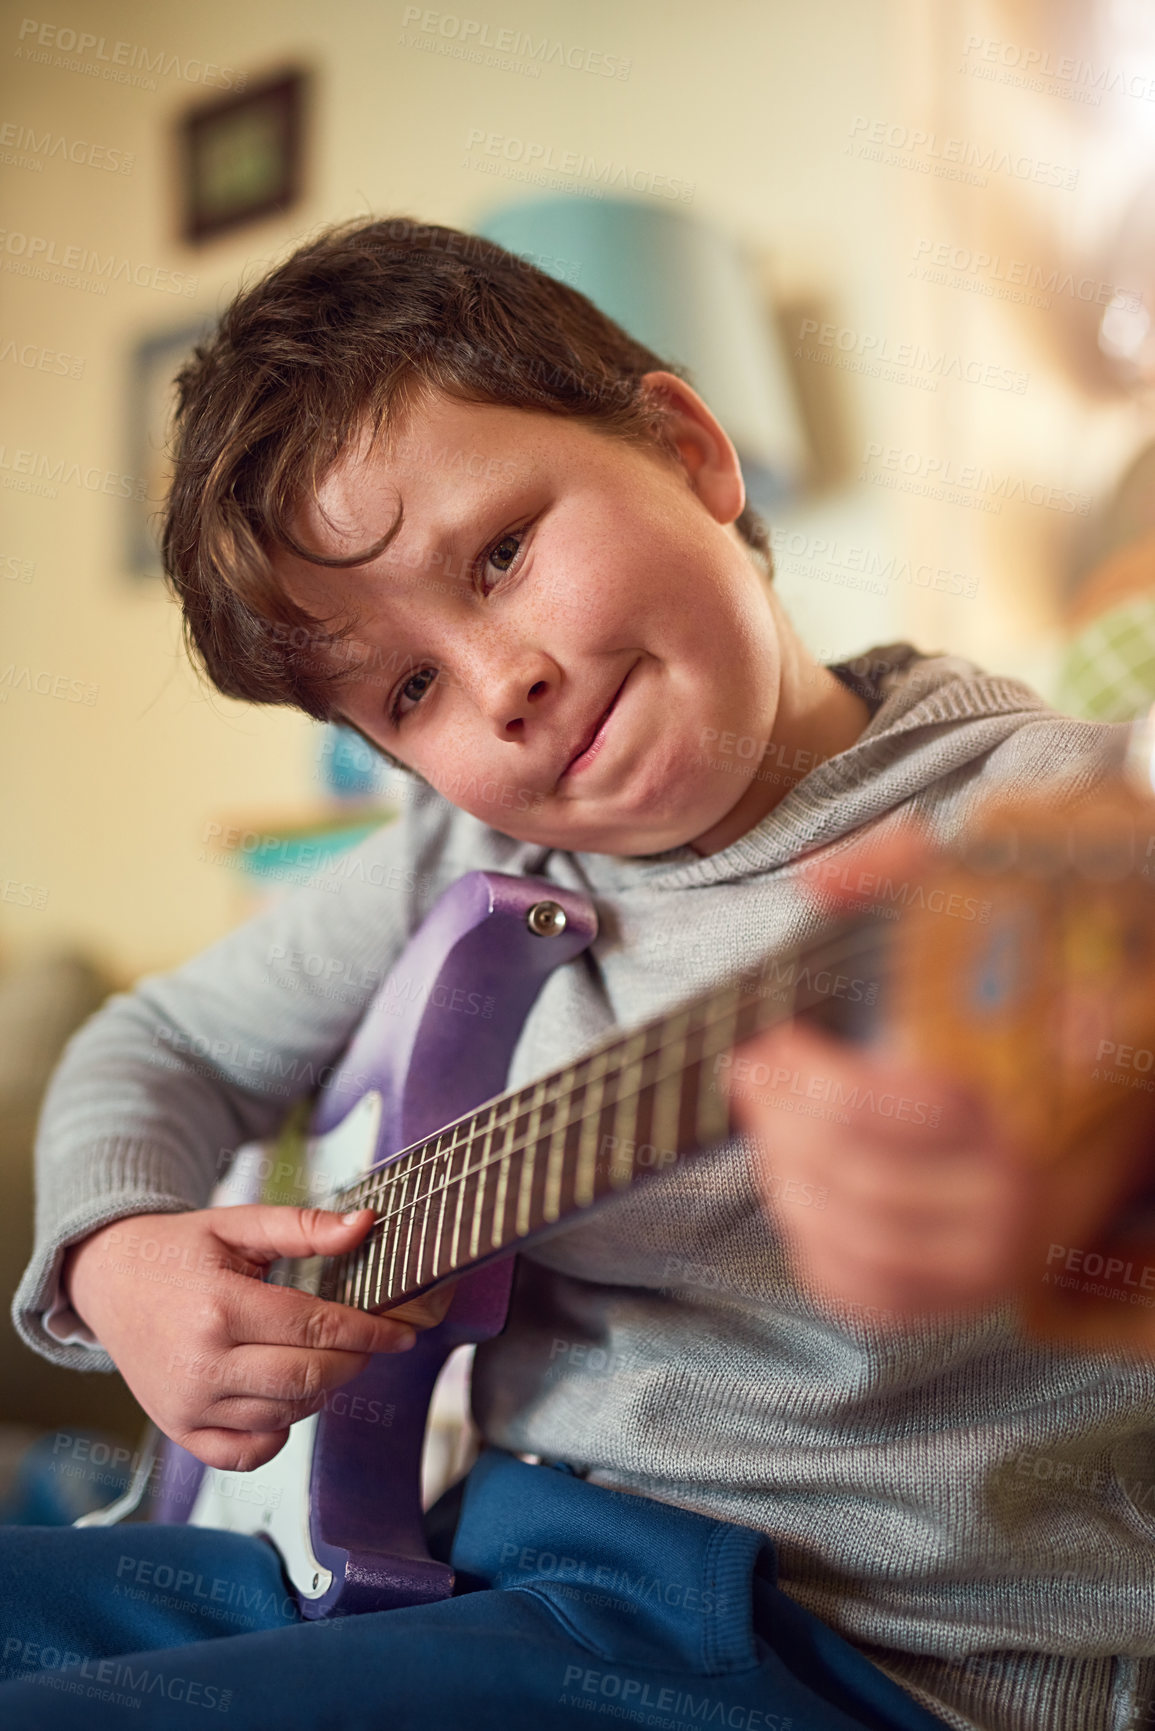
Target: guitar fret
<point>587,1150</point>
<point>668,1097</point>
<point>388,1258</point>
<point>394,1284</point>
<point>376,1266</point>
<point>461,1180</point>
<point>378,1239</point>
<point>370,1248</point>
<point>357,1281</point>
<point>497,1225</point>
<point>479,1193</point>
<point>698,1082</point>
<point>554,1164</point>
<point>434,1173</point>
<point>385,1231</point>
<point>709,1104</point>
<point>528,1164</point>
<point>621,1164</point>
<point>420,1215</point>
<point>526,1108</point>
<point>444,1198</point>
<point>367,1248</point>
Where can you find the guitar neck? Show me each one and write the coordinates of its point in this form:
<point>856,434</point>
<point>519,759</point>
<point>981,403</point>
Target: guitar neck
<point>533,1158</point>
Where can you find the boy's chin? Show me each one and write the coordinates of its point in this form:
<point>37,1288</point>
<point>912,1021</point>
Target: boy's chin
<point>629,837</point>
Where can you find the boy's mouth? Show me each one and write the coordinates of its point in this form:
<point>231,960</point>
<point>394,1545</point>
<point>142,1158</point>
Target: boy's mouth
<point>593,738</point>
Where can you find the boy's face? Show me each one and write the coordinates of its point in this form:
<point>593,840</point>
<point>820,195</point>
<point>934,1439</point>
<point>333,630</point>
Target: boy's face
<point>563,627</point>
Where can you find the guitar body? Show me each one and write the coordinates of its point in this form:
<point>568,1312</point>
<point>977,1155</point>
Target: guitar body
<point>342,1501</point>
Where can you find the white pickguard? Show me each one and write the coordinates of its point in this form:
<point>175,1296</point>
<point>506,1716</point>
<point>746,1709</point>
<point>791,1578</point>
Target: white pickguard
<point>274,1499</point>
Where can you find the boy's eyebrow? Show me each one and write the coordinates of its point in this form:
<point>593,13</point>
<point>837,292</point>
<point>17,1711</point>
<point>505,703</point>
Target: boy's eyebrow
<point>448,527</point>
<point>443,534</point>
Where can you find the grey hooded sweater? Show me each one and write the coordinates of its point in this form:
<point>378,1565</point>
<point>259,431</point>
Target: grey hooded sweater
<point>935,1493</point>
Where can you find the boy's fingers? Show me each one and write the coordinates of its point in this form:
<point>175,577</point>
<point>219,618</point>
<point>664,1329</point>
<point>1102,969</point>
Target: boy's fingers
<point>265,1388</point>
<point>941,1260</point>
<point>263,1231</point>
<point>917,1192</point>
<point>882,1097</point>
<point>941,1248</point>
<point>231,1451</point>
<point>835,1276</point>
<point>261,1315</point>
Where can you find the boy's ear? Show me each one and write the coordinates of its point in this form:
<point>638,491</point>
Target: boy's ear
<point>701,444</point>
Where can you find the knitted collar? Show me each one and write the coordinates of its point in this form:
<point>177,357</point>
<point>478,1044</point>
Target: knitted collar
<point>932,715</point>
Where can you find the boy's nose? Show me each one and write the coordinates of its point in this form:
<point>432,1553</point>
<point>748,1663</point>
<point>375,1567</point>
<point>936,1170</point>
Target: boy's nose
<point>511,693</point>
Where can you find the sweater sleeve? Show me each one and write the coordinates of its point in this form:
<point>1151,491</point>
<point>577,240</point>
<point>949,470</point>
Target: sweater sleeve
<point>158,1089</point>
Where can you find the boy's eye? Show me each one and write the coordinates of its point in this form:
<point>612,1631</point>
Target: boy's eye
<point>412,691</point>
<point>503,554</point>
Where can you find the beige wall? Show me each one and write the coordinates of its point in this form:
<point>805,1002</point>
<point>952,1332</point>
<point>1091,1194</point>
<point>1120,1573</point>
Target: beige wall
<point>763,105</point>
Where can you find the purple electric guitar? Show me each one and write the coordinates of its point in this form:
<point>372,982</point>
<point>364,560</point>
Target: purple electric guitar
<point>412,1122</point>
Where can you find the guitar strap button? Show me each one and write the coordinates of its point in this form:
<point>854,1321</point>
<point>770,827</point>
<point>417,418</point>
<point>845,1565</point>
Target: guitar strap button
<point>546,919</point>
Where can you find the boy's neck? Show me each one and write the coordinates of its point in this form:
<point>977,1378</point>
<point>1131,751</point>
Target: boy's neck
<point>818,717</point>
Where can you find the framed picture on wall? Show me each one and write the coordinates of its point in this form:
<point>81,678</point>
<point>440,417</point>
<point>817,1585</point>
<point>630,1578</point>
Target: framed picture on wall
<point>242,156</point>
<point>153,366</point>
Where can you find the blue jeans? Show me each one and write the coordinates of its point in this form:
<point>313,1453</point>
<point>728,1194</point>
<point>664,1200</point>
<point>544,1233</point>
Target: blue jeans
<point>573,1601</point>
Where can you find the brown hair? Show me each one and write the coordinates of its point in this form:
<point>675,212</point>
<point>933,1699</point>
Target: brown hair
<point>350,331</point>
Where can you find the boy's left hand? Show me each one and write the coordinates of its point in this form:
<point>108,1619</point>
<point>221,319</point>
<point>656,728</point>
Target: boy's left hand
<point>890,1186</point>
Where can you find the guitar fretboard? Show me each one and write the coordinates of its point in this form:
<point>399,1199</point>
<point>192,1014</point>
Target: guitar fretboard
<point>529,1159</point>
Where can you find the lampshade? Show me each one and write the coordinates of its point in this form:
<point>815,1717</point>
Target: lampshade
<point>685,289</point>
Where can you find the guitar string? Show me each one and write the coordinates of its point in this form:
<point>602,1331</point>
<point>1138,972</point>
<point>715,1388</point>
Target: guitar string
<point>520,1104</point>
<point>381,1236</point>
<point>571,1122</point>
<point>562,1098</point>
<point>386,1176</point>
<point>453,1180</point>
<point>390,1179</point>
<point>363,1269</point>
<point>730,1000</point>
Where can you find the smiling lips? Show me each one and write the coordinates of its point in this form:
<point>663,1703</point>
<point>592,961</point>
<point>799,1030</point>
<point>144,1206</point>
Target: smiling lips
<point>595,738</point>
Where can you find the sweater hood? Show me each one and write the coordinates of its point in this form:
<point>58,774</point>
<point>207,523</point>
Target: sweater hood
<point>933,716</point>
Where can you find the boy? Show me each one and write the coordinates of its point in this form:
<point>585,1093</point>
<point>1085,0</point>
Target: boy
<point>426,490</point>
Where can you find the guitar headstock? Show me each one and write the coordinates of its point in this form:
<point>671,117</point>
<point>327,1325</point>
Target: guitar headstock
<point>1026,967</point>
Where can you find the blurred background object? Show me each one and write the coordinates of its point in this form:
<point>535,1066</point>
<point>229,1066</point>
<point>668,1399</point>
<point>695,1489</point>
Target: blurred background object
<point>1108,671</point>
<point>43,1000</point>
<point>243,156</point>
<point>684,288</point>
